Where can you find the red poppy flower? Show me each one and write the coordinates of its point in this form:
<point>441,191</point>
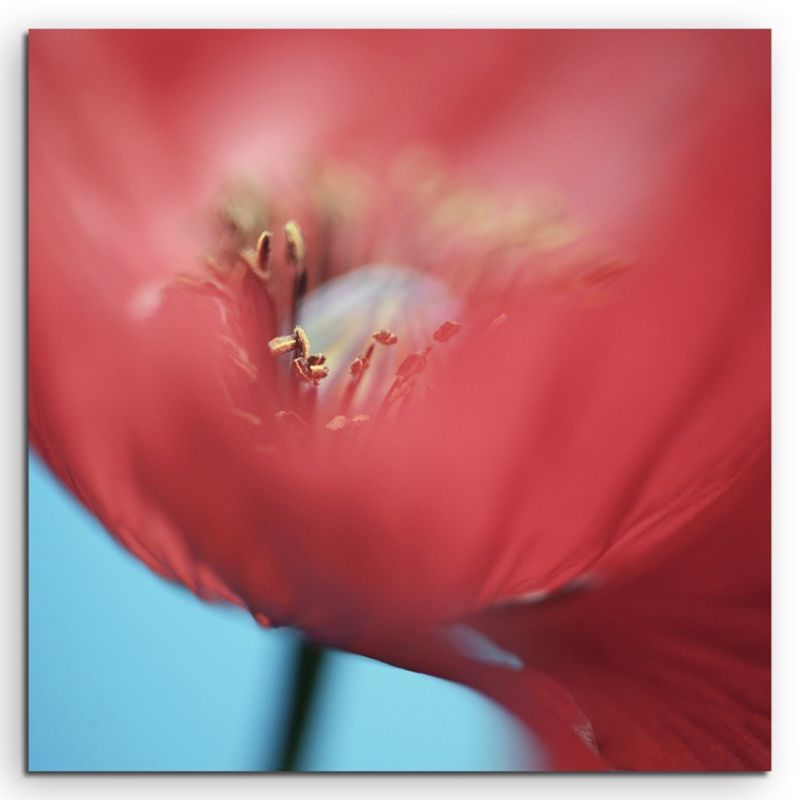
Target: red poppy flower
<point>561,464</point>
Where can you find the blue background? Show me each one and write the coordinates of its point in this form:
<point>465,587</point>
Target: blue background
<point>128,672</point>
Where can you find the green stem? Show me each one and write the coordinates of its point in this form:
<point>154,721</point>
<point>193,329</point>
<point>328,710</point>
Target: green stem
<point>308,668</point>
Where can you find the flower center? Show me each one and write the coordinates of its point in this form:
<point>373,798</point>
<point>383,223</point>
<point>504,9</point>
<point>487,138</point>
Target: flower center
<point>337,314</point>
<point>319,345</point>
<point>355,348</point>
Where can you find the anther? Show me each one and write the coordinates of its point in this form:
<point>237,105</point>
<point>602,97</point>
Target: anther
<point>256,259</point>
<point>282,344</point>
<point>358,366</point>
<point>311,373</point>
<point>296,244</point>
<point>318,372</point>
<point>303,345</point>
<point>385,337</point>
<point>446,331</point>
<point>262,252</point>
<point>296,341</point>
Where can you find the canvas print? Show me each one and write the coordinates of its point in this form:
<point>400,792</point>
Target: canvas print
<point>399,400</point>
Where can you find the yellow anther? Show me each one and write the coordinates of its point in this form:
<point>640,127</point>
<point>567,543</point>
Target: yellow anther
<point>303,345</point>
<point>258,259</point>
<point>311,373</point>
<point>302,370</point>
<point>282,344</point>
<point>318,372</point>
<point>297,341</point>
<point>262,251</point>
<point>295,242</point>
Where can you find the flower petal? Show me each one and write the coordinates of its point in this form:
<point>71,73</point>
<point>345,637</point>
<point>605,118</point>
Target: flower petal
<point>669,662</point>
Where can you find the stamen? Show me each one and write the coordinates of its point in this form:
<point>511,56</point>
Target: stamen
<point>446,331</point>
<point>318,372</point>
<point>296,244</point>
<point>282,344</point>
<point>410,368</point>
<point>357,370</point>
<point>312,369</point>
<point>295,341</point>
<point>262,252</point>
<point>302,370</point>
<point>258,259</point>
<point>311,373</point>
<point>360,364</point>
<point>385,337</point>
<point>413,364</point>
<point>303,345</point>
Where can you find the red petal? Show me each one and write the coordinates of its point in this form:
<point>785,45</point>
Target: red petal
<point>669,663</point>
